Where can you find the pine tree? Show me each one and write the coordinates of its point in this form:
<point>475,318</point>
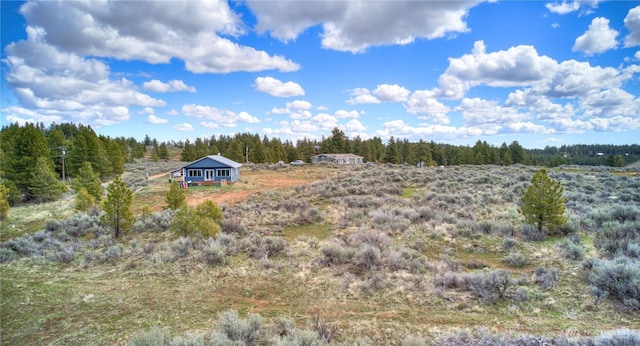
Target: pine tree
<point>84,200</point>
<point>542,202</point>
<point>89,180</point>
<point>184,221</point>
<point>45,184</point>
<point>4,202</point>
<point>117,207</point>
<point>176,197</point>
<point>392,153</point>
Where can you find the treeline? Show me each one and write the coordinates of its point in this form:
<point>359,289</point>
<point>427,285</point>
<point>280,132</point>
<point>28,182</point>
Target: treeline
<point>250,147</point>
<point>34,159</point>
<point>586,155</point>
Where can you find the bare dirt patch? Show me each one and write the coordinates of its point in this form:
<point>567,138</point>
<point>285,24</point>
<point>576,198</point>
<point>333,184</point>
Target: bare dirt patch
<point>252,182</point>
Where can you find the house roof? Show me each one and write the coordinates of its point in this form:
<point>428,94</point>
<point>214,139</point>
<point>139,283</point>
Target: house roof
<point>218,158</point>
<point>340,156</point>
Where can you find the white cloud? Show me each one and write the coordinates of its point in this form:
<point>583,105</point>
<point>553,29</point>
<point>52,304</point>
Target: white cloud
<point>424,102</point>
<point>152,119</point>
<point>51,81</point>
<point>171,86</point>
<point>277,88</point>
<point>516,66</point>
<point>354,26</point>
<point>361,96</point>
<point>399,129</point>
<point>298,109</point>
<point>632,22</point>
<point>391,93</point>
<point>168,29</point>
<point>539,106</point>
<point>354,126</point>
<point>563,7</point>
<point>325,121</point>
<point>341,114</point>
<point>184,127</point>
<point>479,112</point>
<point>598,39</point>
<point>217,117</point>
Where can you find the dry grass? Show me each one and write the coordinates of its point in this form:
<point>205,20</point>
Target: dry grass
<point>75,304</point>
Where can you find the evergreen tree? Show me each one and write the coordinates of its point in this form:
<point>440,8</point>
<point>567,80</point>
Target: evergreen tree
<point>84,201</point>
<point>29,145</point>
<point>423,153</point>
<point>542,202</point>
<point>4,202</point>
<point>184,221</point>
<point>115,156</point>
<point>163,153</point>
<point>88,180</point>
<point>176,196</point>
<point>117,207</point>
<point>208,220</point>
<point>392,153</point>
<point>45,184</point>
<point>188,152</point>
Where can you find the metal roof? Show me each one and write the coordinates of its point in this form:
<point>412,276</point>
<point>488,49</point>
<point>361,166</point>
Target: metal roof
<point>218,158</point>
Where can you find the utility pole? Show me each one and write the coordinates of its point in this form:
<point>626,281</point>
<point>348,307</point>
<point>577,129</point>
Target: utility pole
<point>246,153</point>
<point>64,152</point>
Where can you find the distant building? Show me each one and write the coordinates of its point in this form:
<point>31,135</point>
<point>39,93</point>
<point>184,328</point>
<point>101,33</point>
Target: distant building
<point>343,159</point>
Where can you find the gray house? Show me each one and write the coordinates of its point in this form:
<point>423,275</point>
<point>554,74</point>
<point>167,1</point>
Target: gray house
<point>209,170</point>
<point>344,159</point>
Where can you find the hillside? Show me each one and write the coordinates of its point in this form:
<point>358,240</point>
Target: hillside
<point>380,254</point>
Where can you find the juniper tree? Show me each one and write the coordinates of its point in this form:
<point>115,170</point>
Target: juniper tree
<point>542,202</point>
<point>117,207</point>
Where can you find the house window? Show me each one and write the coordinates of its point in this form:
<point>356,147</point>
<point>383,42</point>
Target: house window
<point>194,173</point>
<point>223,172</point>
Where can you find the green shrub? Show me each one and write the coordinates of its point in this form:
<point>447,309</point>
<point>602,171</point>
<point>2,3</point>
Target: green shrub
<point>230,329</point>
<point>152,337</point>
<point>335,254</point>
<point>620,278</point>
<point>515,259</point>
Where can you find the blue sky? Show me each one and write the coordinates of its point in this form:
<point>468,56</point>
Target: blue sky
<point>542,73</point>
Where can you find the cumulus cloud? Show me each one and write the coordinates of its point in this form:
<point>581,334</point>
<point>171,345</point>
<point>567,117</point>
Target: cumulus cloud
<point>354,26</point>
<point>277,88</point>
<point>632,22</point>
<point>152,119</point>
<point>516,66</point>
<point>424,102</point>
<point>479,112</point>
<point>391,93</point>
<point>171,86</point>
<point>399,128</point>
<point>341,114</point>
<point>354,126</point>
<point>298,109</point>
<point>565,7</point>
<point>598,38</point>
<point>184,127</point>
<point>361,96</point>
<point>216,117</point>
<point>52,81</point>
<point>189,31</point>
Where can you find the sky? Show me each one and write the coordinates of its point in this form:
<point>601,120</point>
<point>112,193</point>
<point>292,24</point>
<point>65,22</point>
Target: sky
<point>540,73</point>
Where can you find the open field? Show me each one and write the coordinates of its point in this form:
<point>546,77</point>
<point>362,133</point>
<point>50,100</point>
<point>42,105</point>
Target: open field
<point>382,253</point>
